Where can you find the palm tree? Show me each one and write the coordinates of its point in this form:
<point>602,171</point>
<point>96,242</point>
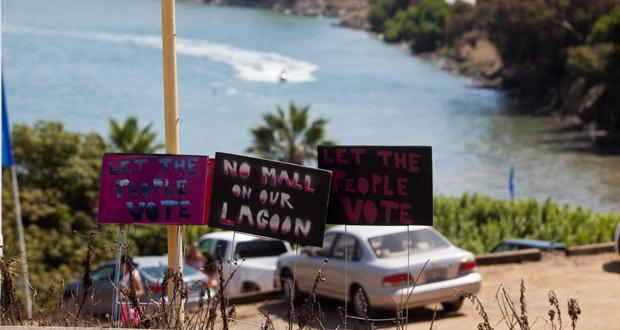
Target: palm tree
<point>289,137</point>
<point>129,138</point>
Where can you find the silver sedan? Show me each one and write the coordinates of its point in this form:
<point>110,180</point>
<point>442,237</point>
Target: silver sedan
<point>383,264</point>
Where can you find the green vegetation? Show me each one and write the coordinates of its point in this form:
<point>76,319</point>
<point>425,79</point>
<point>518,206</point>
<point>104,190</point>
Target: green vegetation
<point>289,137</point>
<point>477,223</point>
<point>421,26</point>
<point>558,56</point>
<point>597,65</point>
<point>131,139</point>
<point>59,180</point>
<point>58,174</point>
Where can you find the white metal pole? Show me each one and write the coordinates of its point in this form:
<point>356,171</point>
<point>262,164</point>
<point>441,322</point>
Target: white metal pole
<point>22,243</point>
<point>117,276</point>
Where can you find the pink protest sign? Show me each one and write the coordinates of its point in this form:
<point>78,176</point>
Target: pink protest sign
<point>153,189</point>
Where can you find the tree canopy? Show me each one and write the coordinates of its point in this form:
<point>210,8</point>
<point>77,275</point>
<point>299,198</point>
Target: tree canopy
<point>289,136</point>
<point>128,137</point>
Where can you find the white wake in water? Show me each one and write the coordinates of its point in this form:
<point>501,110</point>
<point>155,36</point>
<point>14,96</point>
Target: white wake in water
<point>251,65</point>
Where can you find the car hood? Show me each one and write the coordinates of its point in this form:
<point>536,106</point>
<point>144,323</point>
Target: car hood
<point>262,262</point>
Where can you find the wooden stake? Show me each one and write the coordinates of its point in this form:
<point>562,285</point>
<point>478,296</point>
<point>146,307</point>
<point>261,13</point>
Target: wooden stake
<point>171,117</point>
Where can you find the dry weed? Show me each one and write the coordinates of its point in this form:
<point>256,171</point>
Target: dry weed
<point>311,309</point>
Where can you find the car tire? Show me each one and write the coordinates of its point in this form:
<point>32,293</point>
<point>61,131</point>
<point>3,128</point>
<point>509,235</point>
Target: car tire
<point>360,304</point>
<point>452,306</point>
<point>289,287</point>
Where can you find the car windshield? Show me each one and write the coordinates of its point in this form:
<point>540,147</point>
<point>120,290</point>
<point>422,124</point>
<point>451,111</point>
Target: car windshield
<point>395,245</point>
<point>260,248</point>
<point>159,271</point>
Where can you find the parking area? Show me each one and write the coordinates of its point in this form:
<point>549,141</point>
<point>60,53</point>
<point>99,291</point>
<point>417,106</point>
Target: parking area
<point>593,280</point>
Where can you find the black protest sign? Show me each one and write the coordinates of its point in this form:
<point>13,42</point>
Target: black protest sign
<point>373,185</point>
<point>269,198</point>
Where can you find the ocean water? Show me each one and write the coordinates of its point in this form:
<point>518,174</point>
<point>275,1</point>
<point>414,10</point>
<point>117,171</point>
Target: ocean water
<point>84,62</point>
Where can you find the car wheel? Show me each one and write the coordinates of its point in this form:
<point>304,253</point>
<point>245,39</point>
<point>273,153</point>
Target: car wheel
<point>359,303</point>
<point>452,306</point>
<point>289,287</point>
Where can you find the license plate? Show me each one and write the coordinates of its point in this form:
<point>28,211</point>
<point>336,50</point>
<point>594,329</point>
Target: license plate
<point>435,275</point>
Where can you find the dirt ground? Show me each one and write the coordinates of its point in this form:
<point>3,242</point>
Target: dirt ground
<point>593,280</point>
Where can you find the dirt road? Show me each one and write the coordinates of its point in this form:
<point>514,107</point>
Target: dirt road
<point>593,280</point>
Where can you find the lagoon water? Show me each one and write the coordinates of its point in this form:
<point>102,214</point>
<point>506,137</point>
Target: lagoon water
<point>85,61</point>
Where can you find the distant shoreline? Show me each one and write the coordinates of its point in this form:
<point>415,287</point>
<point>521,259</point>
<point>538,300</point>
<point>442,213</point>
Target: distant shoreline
<point>312,8</point>
<point>473,56</point>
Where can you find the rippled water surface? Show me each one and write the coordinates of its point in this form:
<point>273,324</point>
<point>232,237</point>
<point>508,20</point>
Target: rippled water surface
<point>83,62</point>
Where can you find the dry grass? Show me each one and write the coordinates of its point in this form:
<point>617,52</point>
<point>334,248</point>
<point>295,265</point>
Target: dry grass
<point>215,312</point>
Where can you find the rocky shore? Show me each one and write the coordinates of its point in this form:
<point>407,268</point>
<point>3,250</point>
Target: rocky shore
<point>472,54</point>
<point>331,8</point>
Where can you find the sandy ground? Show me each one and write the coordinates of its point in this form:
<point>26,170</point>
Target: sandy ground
<point>593,280</point>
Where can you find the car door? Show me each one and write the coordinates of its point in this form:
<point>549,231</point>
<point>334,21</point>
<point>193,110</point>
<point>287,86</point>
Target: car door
<point>309,264</point>
<point>221,250</point>
<point>344,255</point>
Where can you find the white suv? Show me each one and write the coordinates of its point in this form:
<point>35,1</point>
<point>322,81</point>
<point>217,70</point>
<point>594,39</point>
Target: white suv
<point>257,273</point>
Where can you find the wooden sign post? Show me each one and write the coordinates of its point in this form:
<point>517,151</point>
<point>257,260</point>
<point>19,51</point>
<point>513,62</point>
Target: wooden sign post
<point>171,116</point>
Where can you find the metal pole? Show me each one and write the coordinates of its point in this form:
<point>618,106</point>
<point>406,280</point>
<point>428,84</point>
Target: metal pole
<point>346,277</point>
<point>171,118</point>
<point>408,276</point>
<point>1,255</point>
<point>117,277</point>
<point>22,243</point>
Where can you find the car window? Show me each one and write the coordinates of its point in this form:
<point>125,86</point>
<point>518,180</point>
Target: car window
<point>502,247</point>
<point>394,245</point>
<point>346,247</point>
<point>328,241</point>
<point>220,249</point>
<point>206,245</point>
<point>260,248</point>
<point>104,273</point>
<point>158,272</point>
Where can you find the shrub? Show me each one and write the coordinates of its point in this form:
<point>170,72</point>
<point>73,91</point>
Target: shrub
<point>477,222</point>
<point>607,28</point>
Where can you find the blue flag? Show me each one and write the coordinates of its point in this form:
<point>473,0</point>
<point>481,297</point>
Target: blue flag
<point>7,152</point>
<point>511,182</point>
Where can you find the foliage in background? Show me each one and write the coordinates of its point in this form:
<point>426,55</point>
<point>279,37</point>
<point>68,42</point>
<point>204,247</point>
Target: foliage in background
<point>289,137</point>
<point>381,10</point>
<point>58,174</point>
<point>130,138</point>
<point>597,64</point>
<point>422,26</point>
<point>477,222</point>
<point>59,178</point>
<point>558,56</point>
